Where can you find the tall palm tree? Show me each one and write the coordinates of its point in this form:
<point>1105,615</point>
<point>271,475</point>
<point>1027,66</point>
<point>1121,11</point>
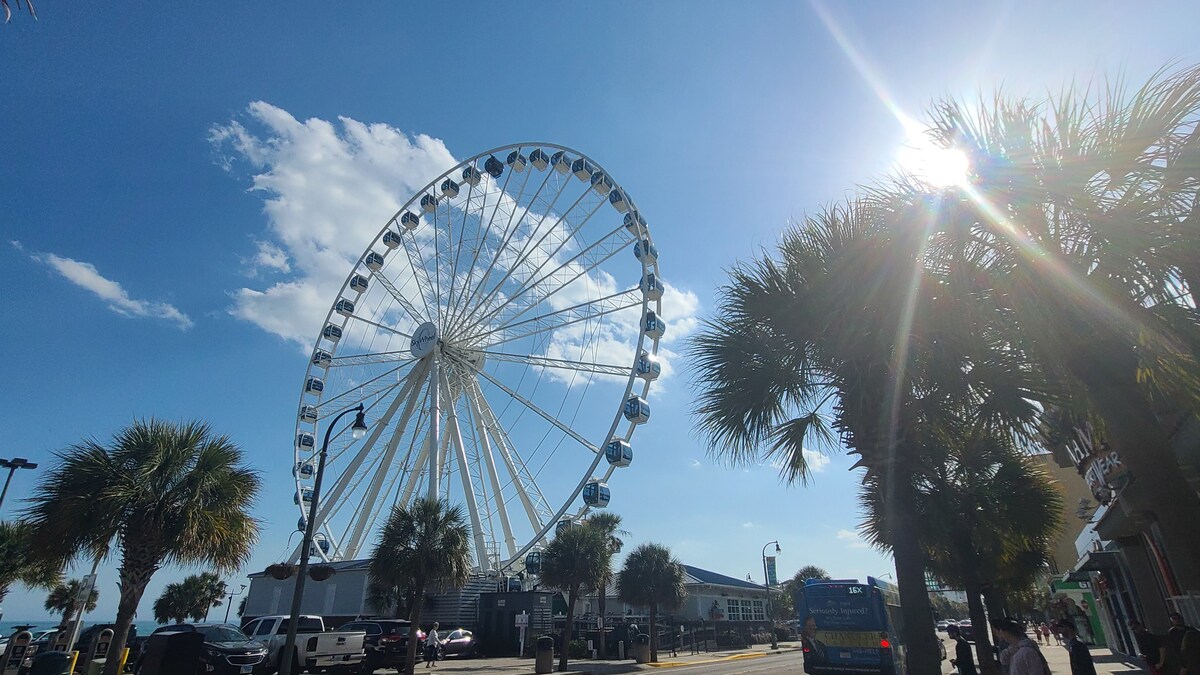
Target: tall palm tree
<point>62,600</point>
<point>576,562</point>
<point>174,604</point>
<point>808,572</point>
<point>423,546</point>
<point>609,524</point>
<point>210,591</point>
<point>18,561</point>
<point>165,493</point>
<point>1087,207</point>
<point>652,578</point>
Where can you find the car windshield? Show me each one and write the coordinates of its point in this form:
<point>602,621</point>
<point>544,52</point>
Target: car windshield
<point>224,634</point>
<point>396,630</point>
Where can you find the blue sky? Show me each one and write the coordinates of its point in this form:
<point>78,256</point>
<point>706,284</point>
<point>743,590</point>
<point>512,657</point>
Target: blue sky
<point>135,254</point>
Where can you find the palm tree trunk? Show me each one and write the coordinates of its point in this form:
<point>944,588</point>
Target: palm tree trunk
<point>980,630</point>
<point>136,570</point>
<point>653,632</point>
<point>601,601</point>
<point>566,640</point>
<point>920,636</point>
<point>414,618</point>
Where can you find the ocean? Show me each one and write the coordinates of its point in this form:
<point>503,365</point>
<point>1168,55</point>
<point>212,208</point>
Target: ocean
<point>9,627</point>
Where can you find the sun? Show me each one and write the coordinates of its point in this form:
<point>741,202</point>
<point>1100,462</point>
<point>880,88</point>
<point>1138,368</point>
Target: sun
<point>937,167</point>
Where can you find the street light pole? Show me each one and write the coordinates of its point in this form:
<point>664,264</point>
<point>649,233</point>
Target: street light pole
<point>231,596</point>
<point>358,429</point>
<point>12,465</point>
<point>767,582</point>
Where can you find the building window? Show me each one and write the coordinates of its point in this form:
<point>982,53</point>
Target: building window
<point>735,610</point>
<point>759,613</point>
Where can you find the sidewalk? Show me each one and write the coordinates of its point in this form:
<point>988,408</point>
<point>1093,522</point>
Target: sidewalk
<point>1107,662</point>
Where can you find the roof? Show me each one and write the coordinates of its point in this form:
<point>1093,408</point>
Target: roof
<point>338,566</point>
<point>701,576</point>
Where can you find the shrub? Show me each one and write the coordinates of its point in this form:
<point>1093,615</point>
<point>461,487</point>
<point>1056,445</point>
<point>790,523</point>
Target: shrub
<point>577,649</point>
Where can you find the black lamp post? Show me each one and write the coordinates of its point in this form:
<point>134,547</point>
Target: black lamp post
<point>358,429</point>
<point>231,596</point>
<point>12,465</point>
<point>767,580</point>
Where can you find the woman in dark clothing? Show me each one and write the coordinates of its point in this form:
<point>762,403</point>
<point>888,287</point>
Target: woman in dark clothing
<point>963,659</point>
<point>1081,659</point>
<point>1153,650</point>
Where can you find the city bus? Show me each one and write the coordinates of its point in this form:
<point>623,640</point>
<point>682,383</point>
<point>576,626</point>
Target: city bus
<point>850,627</point>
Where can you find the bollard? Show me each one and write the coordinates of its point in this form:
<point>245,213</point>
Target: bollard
<point>544,656</point>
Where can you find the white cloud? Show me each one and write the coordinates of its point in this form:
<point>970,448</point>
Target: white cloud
<point>852,539</point>
<point>694,463</point>
<point>86,276</point>
<point>749,525</point>
<point>271,257</point>
<point>816,461</point>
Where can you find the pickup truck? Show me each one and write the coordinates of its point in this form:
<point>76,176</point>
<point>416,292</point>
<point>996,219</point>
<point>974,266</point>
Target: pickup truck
<point>316,650</point>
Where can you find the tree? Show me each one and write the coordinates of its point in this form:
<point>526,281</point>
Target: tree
<point>609,525</point>
<point>62,600</point>
<point>208,589</point>
<point>165,493</point>
<point>576,562</point>
<point>192,598</point>
<point>18,562</point>
<point>8,9</point>
<point>423,546</point>
<point>808,572</point>
<point>174,605</point>
<point>652,578</point>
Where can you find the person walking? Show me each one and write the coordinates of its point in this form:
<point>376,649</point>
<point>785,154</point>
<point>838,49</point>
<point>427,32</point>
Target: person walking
<point>432,642</point>
<point>1152,648</point>
<point>1183,645</point>
<point>1021,656</point>
<point>963,659</point>
<point>1081,658</point>
<point>1045,632</point>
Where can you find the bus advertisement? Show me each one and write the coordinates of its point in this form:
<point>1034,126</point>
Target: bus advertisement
<point>850,627</point>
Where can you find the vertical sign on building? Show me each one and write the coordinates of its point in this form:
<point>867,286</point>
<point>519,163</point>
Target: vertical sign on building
<point>771,578</point>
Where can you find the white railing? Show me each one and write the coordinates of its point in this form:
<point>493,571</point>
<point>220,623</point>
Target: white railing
<point>1188,605</point>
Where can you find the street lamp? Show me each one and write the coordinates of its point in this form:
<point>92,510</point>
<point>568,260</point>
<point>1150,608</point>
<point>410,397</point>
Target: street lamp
<point>358,430</point>
<point>767,579</point>
<point>231,596</point>
<point>12,465</point>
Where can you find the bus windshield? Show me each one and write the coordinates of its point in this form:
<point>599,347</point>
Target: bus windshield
<point>847,626</point>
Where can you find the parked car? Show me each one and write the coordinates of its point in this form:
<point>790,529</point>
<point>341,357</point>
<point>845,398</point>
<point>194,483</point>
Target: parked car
<point>943,625</point>
<point>227,650</point>
<point>964,628</point>
<point>460,643</point>
<point>91,632</point>
<point>333,652</point>
<point>386,641</point>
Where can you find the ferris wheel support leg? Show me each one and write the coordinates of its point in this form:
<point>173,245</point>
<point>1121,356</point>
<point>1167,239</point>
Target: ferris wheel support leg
<point>490,463</point>
<point>482,409</point>
<point>464,470</point>
<point>435,469</point>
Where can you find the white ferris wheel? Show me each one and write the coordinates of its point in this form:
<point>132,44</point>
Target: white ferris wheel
<point>501,332</point>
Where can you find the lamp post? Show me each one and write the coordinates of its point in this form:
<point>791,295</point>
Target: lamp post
<point>12,465</point>
<point>231,596</point>
<point>358,430</point>
<point>767,580</point>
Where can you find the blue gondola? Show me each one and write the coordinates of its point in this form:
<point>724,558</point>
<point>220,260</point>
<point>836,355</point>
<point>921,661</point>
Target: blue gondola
<point>618,453</point>
<point>494,167</point>
<point>648,367</point>
<point>637,410</point>
<point>322,358</point>
<point>533,562</point>
<point>539,159</point>
<point>344,307</point>
<point>561,162</point>
<point>601,183</point>
<point>319,542</point>
<point>429,203</point>
<point>305,441</point>
<point>332,333</point>
<point>652,286</point>
<point>410,220</point>
<point>645,251</point>
<point>301,524</point>
<point>471,176</point>
<point>517,161</point>
<point>654,325</point>
<point>450,188</point>
<point>634,222</point>
<point>618,200</point>
<point>308,413</point>
<point>583,169</point>
<point>391,240</point>
<point>358,283</point>
<point>314,385</point>
<point>305,494</point>
<point>563,525</point>
<point>596,493</point>
<point>373,261</point>
<point>304,470</point>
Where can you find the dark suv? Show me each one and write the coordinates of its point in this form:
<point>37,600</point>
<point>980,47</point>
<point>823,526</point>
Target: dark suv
<point>386,641</point>
<point>227,650</point>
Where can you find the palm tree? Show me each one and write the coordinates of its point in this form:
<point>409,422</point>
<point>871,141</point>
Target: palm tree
<point>808,572</point>
<point>175,604</point>
<point>652,578</point>
<point>610,524</point>
<point>423,546</point>
<point>209,590</point>
<point>165,493</point>
<point>8,9</point>
<point>18,563</point>
<point>1084,208</point>
<point>576,562</point>
<point>62,600</point>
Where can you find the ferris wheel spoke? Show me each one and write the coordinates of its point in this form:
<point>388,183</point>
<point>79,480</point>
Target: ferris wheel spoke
<point>419,272</point>
<point>367,390</point>
<point>536,508</point>
<point>464,470</point>
<point>546,362</point>
<point>561,318</point>
<point>398,296</point>
<point>380,326</point>
<point>541,413</point>
<point>485,450</point>
<point>401,357</point>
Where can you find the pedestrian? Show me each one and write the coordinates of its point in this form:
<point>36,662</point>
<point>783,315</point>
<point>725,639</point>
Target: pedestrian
<point>432,641</point>
<point>1037,633</point>
<point>1022,656</point>
<point>1152,648</point>
<point>963,660</point>
<point>1046,632</point>
<point>1081,658</point>
<point>1176,637</point>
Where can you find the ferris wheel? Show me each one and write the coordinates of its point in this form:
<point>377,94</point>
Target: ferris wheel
<point>501,333</point>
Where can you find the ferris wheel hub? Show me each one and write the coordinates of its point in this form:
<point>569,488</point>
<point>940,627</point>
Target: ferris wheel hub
<point>424,340</point>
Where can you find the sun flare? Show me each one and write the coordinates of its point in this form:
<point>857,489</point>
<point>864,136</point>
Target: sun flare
<point>938,167</point>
